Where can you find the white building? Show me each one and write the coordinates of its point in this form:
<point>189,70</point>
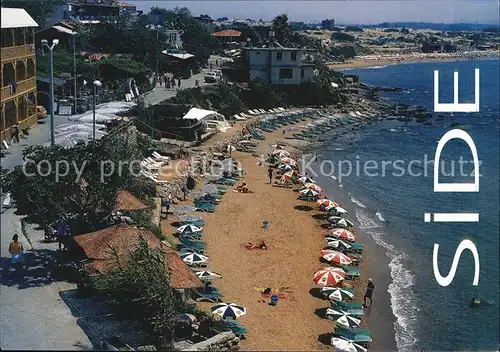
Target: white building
<point>279,65</point>
<point>174,38</point>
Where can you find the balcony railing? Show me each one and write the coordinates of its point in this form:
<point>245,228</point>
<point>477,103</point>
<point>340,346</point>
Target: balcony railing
<point>21,87</point>
<point>16,52</point>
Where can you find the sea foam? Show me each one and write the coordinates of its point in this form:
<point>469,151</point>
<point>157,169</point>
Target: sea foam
<point>355,201</point>
<point>403,302</point>
<point>379,216</point>
<point>365,222</point>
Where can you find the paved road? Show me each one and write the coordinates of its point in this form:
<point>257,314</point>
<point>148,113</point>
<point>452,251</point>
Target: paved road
<point>159,94</point>
<point>33,316</point>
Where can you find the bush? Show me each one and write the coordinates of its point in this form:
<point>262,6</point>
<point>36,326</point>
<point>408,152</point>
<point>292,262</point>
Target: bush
<point>343,37</point>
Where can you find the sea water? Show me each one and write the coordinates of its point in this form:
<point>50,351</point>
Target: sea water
<point>391,208</point>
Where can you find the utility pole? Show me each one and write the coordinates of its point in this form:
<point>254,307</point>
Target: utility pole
<point>51,87</point>
<point>74,70</point>
<point>95,84</point>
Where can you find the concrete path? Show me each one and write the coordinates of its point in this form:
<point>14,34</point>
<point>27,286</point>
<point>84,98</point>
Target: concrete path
<point>33,315</point>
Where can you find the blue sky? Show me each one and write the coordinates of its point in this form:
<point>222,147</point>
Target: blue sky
<point>344,11</point>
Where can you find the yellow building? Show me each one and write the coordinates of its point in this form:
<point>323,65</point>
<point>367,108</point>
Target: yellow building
<point>18,78</point>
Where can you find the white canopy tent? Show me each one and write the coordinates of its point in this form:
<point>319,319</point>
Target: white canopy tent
<point>202,114</point>
<point>16,18</point>
<point>178,56</point>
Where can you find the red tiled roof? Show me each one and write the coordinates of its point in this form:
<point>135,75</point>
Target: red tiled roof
<point>124,239</point>
<point>125,4</point>
<point>227,33</point>
<point>126,201</point>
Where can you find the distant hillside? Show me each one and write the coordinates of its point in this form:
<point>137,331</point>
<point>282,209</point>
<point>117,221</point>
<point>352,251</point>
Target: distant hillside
<point>435,26</point>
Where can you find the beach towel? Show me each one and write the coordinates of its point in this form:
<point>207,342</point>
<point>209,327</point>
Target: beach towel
<point>267,292</point>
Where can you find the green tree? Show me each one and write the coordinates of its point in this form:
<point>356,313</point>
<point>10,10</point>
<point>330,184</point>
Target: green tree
<point>281,28</point>
<point>140,291</point>
<point>77,184</point>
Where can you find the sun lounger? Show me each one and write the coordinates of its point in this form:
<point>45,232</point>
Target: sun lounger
<point>351,272</point>
<point>205,207</point>
<point>212,296</point>
<point>238,329</point>
<point>183,248</point>
<point>151,161</point>
<point>197,223</point>
<point>359,336</point>
<point>353,308</point>
<point>158,156</point>
<point>152,177</point>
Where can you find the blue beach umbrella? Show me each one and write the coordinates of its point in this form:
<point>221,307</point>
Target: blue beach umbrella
<point>207,275</point>
<point>228,310</point>
<point>186,229</point>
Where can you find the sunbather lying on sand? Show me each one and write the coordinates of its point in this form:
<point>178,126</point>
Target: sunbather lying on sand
<point>260,245</point>
<point>243,188</point>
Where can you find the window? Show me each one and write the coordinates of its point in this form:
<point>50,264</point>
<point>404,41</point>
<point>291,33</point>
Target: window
<point>286,73</point>
<point>279,56</point>
<point>258,52</point>
<point>293,55</point>
<point>302,73</point>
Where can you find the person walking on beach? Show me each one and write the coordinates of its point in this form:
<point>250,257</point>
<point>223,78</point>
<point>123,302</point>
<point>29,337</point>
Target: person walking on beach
<point>184,191</point>
<point>270,172</point>
<point>369,292</point>
<point>16,132</point>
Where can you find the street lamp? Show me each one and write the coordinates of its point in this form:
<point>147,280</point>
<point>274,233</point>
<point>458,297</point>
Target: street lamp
<point>51,86</point>
<point>95,84</point>
<point>157,50</point>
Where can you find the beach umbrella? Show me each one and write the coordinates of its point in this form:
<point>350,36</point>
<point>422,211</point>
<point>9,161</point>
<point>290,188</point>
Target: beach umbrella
<point>340,222</point>
<point>342,318</point>
<point>313,186</point>
<point>336,257</point>
<point>281,153</point>
<point>185,229</point>
<point>336,210</point>
<point>193,258</point>
<point>306,179</point>
<point>228,310</point>
<point>342,234</point>
<point>337,293</point>
<point>288,161</point>
<point>277,146</point>
<point>308,192</point>
<point>285,167</point>
<point>286,177</point>
<point>341,344</point>
<point>336,243</point>
<point>289,173</point>
<point>329,276</point>
<point>206,275</point>
<point>325,202</point>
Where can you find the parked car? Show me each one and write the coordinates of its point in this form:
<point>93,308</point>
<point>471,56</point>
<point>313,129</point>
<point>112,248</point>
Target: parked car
<point>218,73</point>
<point>211,77</point>
<point>41,112</point>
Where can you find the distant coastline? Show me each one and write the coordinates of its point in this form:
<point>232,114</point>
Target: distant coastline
<point>385,60</point>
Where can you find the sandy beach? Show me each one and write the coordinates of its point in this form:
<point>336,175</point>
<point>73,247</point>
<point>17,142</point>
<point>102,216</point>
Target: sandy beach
<point>295,239</point>
<point>385,60</point>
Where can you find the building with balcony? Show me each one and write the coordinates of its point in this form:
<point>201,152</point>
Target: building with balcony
<point>87,11</point>
<point>18,60</point>
<point>174,39</point>
<point>279,65</point>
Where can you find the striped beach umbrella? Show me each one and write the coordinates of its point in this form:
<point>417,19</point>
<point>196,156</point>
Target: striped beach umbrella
<point>206,275</point>
<point>342,318</point>
<point>286,177</point>
<point>288,161</point>
<point>285,167</point>
<point>336,210</point>
<point>228,310</point>
<point>325,202</point>
<point>280,153</point>
<point>336,243</point>
<point>336,257</point>
<point>329,276</point>
<point>314,187</point>
<point>185,229</point>
<point>193,258</point>
<point>342,234</point>
<point>305,179</point>
<point>341,344</point>
<point>308,192</point>
<point>337,293</point>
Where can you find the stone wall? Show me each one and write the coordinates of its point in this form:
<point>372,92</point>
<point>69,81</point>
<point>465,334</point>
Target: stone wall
<point>225,341</point>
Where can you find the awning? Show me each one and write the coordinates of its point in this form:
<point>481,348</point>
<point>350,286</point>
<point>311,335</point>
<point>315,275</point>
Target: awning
<point>16,18</point>
<point>57,81</point>
<point>199,114</point>
<point>178,56</point>
<point>227,33</point>
<point>64,30</point>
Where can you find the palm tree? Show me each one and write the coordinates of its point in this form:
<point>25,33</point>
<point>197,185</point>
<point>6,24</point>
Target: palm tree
<point>281,28</point>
